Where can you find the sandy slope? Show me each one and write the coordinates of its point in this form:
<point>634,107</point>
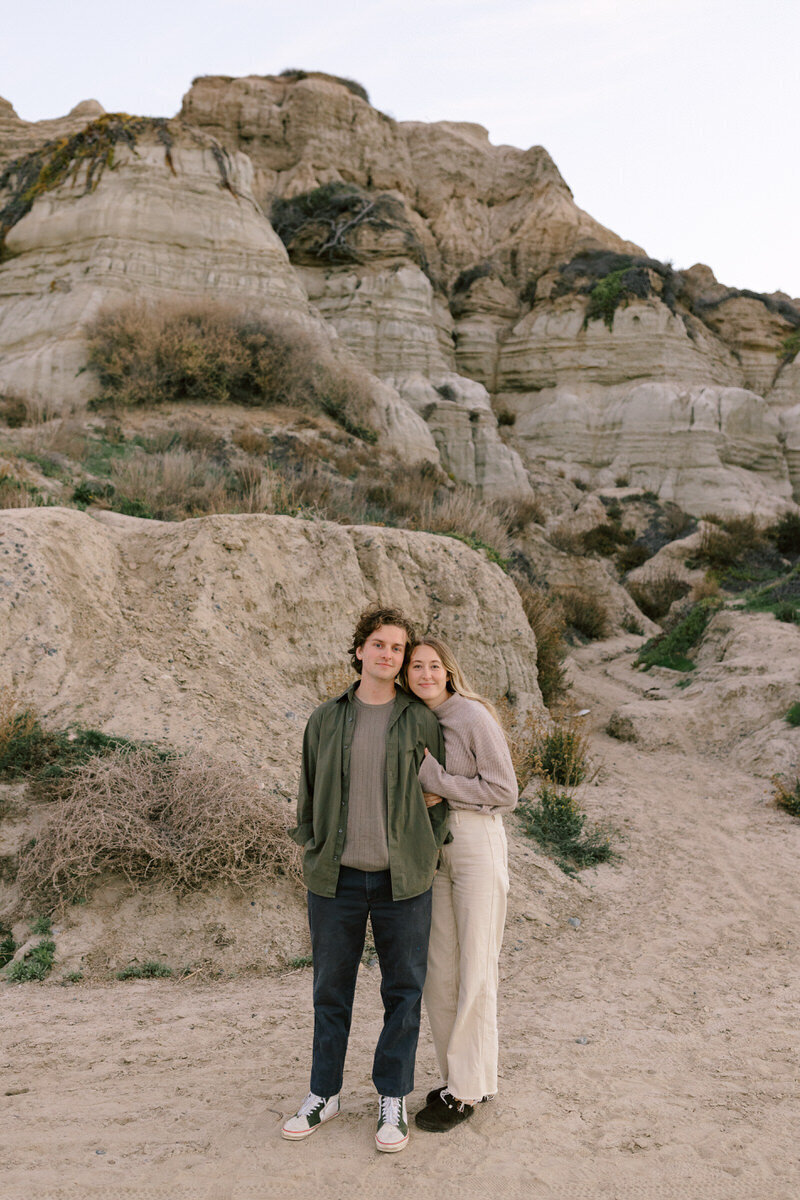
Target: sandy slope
<point>682,978</point>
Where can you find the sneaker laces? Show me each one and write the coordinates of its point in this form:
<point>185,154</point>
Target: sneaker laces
<point>391,1109</point>
<point>311,1102</point>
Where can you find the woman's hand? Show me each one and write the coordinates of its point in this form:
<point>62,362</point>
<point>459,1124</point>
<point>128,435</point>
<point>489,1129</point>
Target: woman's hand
<point>431,798</point>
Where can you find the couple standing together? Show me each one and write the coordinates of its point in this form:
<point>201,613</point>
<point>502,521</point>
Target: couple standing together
<point>392,789</point>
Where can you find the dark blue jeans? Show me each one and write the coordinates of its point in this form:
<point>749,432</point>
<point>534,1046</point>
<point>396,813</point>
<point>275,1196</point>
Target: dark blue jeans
<point>401,929</point>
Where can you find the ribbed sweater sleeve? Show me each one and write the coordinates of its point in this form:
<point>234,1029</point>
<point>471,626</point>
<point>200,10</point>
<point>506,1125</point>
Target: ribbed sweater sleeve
<point>479,771</point>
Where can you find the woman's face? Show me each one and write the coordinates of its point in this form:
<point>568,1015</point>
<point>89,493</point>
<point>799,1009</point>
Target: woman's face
<point>427,677</point>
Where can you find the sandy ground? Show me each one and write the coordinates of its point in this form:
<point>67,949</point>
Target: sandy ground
<point>650,1052</point>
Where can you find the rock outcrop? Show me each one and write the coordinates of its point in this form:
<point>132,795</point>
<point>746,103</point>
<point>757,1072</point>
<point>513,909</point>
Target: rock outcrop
<point>174,219</point>
<point>460,274</point>
<point>736,700</point>
<point>226,631</point>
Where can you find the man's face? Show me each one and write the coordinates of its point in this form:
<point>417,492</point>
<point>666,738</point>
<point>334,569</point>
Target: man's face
<point>382,653</point>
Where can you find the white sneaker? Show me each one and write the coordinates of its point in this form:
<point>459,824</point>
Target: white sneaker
<point>313,1112</point>
<point>392,1132</point>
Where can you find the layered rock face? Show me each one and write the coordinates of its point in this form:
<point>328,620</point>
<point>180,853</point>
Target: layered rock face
<point>461,276</point>
<point>225,632</point>
<point>18,137</point>
<point>171,220</point>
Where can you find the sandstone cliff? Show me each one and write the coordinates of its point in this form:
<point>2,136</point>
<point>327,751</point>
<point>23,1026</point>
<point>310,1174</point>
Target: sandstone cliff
<point>460,274</point>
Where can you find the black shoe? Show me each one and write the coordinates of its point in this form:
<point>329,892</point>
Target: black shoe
<point>442,1112</point>
<point>434,1094</point>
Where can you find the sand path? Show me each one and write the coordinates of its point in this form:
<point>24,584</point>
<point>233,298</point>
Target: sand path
<point>650,1052</point>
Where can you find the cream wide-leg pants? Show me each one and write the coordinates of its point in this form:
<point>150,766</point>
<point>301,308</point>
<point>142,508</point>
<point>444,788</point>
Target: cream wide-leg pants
<point>469,911</point>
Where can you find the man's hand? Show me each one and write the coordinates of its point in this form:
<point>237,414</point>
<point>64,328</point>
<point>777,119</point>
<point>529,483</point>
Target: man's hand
<point>431,799</point>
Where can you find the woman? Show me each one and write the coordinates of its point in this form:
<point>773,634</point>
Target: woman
<point>470,888</point>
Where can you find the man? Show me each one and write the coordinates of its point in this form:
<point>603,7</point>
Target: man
<point>371,848</point>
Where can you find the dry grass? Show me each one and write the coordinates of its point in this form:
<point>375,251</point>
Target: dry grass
<point>251,440</point>
<point>210,353</point>
<point>463,513</point>
<point>58,436</point>
<point>14,494</point>
<point>656,594</point>
<point>185,821</point>
<point>546,618</point>
<point>16,723</point>
<point>585,612</point>
<point>17,411</point>
<point>520,735</point>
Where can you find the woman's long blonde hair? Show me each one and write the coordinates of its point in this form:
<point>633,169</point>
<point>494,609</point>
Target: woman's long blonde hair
<point>455,676</point>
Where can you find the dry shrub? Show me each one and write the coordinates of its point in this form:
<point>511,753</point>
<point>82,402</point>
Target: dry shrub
<point>463,513</point>
<point>676,521</point>
<point>557,752</point>
<point>520,511</point>
<point>57,436</point>
<point>252,441</point>
<point>546,619</point>
<point>787,794</point>
<point>16,411</point>
<point>17,725</point>
<point>656,594</point>
<point>14,494</point>
<point>183,821</point>
<point>585,612</point>
<point>706,589</point>
<point>520,735</point>
<point>633,556</point>
<point>569,541</point>
<point>215,353</point>
<point>723,545</point>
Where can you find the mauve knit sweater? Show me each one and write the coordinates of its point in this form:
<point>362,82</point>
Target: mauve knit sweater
<point>479,773</point>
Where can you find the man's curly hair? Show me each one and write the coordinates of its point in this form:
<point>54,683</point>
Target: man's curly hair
<point>372,619</point>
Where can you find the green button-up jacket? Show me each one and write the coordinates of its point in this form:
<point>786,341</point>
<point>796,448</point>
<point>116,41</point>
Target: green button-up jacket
<point>415,832</point>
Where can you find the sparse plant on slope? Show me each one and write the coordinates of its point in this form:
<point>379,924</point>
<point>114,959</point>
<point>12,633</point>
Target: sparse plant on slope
<point>671,649</point>
<point>556,822</point>
<point>656,594</point>
<point>36,965</point>
<point>28,750</point>
<point>585,612</point>
<point>147,970</point>
<point>328,223</point>
<point>787,794</point>
<point>546,619</point>
<point>561,754</point>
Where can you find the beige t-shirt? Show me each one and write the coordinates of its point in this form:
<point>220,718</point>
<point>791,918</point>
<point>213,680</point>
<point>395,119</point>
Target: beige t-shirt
<point>366,843</point>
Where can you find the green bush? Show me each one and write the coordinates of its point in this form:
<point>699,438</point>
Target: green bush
<point>557,823</point>
<point>671,649</point>
<point>561,754</point>
<point>36,965</point>
<point>27,750</point>
<point>7,946</point>
<point>148,970</point>
<point>793,714</point>
<point>786,533</point>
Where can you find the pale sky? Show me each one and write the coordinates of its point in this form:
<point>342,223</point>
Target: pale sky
<point>674,122</point>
